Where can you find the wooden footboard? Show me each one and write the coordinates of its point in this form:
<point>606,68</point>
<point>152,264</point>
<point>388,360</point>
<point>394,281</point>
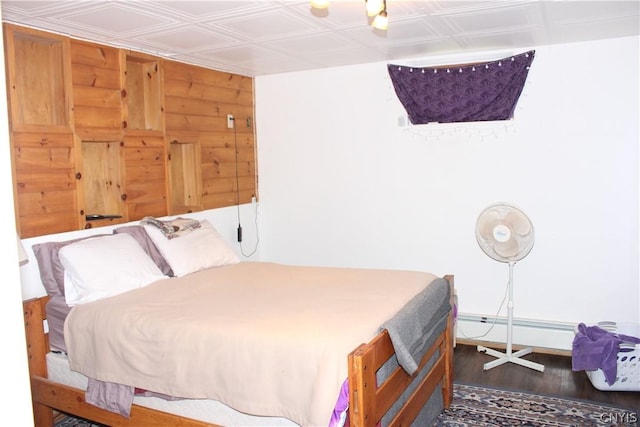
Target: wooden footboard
<point>368,401</point>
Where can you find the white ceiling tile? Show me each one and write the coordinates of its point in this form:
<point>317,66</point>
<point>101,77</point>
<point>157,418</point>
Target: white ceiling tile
<point>265,25</point>
<point>187,39</point>
<point>339,14</point>
<point>413,29</point>
<point>310,44</point>
<point>37,8</point>
<point>493,20</point>
<point>448,7</point>
<point>198,9</point>
<point>112,18</point>
<point>257,37</point>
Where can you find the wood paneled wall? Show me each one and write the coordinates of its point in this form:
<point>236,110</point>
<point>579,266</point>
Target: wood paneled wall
<point>99,130</point>
<point>198,98</point>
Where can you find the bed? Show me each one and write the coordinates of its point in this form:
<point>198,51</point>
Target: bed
<point>375,339</point>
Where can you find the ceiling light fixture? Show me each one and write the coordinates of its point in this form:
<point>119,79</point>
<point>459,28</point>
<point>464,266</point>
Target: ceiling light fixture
<point>374,7</point>
<point>377,8</point>
<point>381,22</point>
<point>319,4</point>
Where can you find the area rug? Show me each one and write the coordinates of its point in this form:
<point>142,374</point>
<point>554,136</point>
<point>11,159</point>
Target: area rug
<point>69,421</point>
<point>476,406</point>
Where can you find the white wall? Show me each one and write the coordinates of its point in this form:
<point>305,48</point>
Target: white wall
<point>342,183</point>
<point>15,396</point>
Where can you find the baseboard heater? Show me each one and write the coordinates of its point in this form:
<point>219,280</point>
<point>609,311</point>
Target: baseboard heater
<point>526,332</point>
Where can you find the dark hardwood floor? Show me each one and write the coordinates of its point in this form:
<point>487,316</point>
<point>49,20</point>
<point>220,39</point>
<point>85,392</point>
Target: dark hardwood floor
<point>557,379</point>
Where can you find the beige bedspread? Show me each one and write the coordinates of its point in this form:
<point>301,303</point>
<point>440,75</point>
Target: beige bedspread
<point>264,338</point>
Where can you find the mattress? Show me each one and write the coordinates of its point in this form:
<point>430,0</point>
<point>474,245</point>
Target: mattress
<point>206,410</point>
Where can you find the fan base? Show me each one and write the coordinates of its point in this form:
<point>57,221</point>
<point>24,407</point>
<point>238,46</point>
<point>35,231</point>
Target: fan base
<point>503,358</point>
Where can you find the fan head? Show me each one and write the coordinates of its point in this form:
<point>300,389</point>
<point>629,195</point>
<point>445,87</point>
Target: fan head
<point>504,232</point>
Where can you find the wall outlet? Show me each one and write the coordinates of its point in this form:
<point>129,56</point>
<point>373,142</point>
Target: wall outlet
<point>230,121</point>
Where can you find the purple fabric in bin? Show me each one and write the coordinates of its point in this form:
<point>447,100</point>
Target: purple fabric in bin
<point>595,348</point>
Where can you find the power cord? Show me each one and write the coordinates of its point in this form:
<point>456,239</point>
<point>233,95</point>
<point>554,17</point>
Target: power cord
<point>504,298</point>
<point>255,216</point>
<point>239,230</point>
<point>235,152</point>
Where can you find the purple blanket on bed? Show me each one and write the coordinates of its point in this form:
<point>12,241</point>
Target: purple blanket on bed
<point>595,348</point>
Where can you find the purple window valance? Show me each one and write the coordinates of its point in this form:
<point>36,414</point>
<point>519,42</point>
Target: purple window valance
<point>468,93</point>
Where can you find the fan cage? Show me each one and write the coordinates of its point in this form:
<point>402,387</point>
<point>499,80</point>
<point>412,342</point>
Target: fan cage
<point>504,232</point>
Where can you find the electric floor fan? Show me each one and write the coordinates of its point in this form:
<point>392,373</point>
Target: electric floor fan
<point>505,234</point>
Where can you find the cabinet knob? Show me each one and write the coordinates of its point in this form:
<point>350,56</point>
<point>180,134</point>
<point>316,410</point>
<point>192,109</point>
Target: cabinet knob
<point>78,175</point>
<point>123,197</point>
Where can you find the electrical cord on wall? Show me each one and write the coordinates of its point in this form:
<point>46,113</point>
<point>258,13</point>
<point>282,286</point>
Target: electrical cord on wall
<point>495,319</point>
<point>255,248</point>
<point>235,151</point>
<point>239,231</point>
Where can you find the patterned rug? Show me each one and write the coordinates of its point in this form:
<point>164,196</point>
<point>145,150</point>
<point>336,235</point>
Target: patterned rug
<point>62,420</point>
<point>476,406</point>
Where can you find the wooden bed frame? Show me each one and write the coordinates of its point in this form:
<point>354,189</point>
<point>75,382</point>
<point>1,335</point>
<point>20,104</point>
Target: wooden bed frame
<point>368,401</point>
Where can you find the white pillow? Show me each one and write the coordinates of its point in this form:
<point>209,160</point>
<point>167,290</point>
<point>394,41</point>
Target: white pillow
<point>105,266</point>
<point>196,250</point>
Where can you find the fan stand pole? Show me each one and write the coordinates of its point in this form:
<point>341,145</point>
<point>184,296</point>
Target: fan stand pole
<point>503,358</point>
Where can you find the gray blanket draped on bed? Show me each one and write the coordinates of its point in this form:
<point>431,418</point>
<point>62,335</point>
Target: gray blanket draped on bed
<point>413,330</point>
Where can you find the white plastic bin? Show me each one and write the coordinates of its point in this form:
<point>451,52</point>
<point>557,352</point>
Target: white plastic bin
<point>628,374</point>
